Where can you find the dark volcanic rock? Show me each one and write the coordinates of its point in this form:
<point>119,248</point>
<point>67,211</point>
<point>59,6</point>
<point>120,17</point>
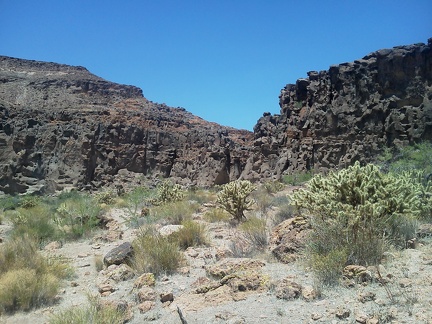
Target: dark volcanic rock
<point>120,254</point>
<point>61,126</point>
<point>348,113</point>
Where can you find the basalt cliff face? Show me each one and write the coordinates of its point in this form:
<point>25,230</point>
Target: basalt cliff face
<point>348,113</point>
<point>61,126</point>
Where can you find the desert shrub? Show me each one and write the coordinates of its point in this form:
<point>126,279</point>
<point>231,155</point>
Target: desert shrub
<point>168,192</point>
<point>263,199</point>
<point>328,267</point>
<point>136,200</point>
<point>155,253</point>
<point>214,215</point>
<point>77,216</point>
<point>273,186</point>
<point>200,196</point>
<point>37,221</point>
<point>8,202</point>
<point>233,197</point>
<point>29,201</point>
<point>255,231</point>
<point>174,212</point>
<point>192,234</point>
<point>95,312</point>
<point>27,279</point>
<point>297,178</point>
<point>358,210</point>
<point>408,158</point>
<point>105,197</point>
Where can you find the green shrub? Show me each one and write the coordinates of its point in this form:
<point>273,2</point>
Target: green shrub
<point>136,200</point>
<point>77,216</point>
<point>105,197</point>
<point>216,215</point>
<point>37,221</point>
<point>8,202</point>
<point>155,253</point>
<point>95,312</point>
<point>233,197</point>
<point>192,234</point>
<point>29,201</point>
<point>27,279</point>
<point>359,210</point>
<point>168,192</point>
<point>297,178</point>
<point>409,158</point>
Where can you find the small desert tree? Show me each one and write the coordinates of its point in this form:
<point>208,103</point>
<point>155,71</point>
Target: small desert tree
<point>234,198</point>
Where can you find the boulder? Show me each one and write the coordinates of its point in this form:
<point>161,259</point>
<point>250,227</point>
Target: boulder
<point>288,238</point>
<point>120,254</point>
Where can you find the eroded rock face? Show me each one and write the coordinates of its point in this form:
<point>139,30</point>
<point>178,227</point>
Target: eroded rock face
<point>348,113</point>
<point>61,126</point>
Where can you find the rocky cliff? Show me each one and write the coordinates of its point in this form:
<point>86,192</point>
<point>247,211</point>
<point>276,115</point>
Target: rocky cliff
<point>61,126</point>
<point>348,113</point>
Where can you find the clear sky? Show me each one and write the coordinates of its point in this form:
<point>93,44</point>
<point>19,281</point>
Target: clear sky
<point>224,60</point>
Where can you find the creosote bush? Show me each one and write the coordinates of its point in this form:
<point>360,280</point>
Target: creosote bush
<point>355,212</point>
<point>233,197</point>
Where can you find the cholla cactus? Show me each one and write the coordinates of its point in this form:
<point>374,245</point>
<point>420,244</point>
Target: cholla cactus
<point>364,202</point>
<point>234,198</point>
<point>167,192</point>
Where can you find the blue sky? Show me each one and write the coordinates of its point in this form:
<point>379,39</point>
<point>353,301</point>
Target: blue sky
<point>225,61</point>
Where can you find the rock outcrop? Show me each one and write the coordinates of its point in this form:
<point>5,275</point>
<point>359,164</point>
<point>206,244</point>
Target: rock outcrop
<point>61,126</point>
<point>348,113</point>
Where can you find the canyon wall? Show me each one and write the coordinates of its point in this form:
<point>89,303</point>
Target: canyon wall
<point>349,113</point>
<point>61,126</point>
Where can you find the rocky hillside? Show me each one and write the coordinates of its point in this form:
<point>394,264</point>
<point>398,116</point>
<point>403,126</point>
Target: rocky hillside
<point>61,126</point>
<point>348,113</point>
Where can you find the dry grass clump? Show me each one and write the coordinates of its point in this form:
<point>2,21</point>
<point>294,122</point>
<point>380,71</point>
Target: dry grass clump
<point>174,212</point>
<point>27,279</point>
<point>263,199</point>
<point>200,196</point>
<point>192,234</point>
<point>255,231</point>
<point>155,253</point>
<point>215,215</point>
<point>96,313</point>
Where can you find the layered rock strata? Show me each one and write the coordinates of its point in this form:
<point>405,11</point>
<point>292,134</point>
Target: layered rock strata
<point>350,112</point>
<point>61,126</point>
